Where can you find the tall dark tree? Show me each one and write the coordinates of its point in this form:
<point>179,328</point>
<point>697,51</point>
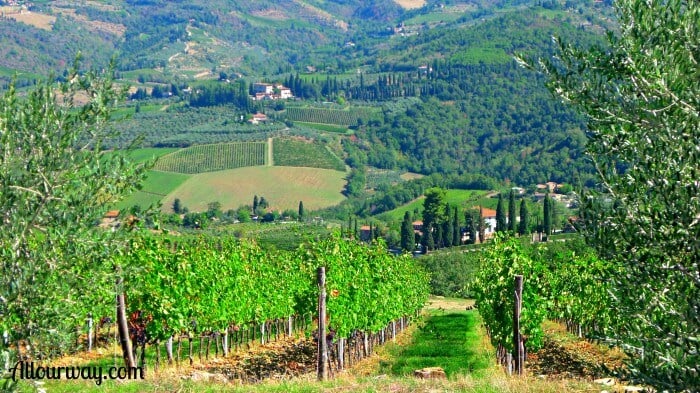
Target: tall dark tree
<point>255,204</point>
<point>177,206</point>
<point>470,223</point>
<point>407,236</point>
<point>511,212</point>
<point>524,226</point>
<point>433,215</point>
<point>301,211</point>
<point>481,225</point>
<point>456,230</point>
<point>427,241</point>
<point>500,215</point>
<point>439,240</point>
<point>547,215</point>
<point>447,228</point>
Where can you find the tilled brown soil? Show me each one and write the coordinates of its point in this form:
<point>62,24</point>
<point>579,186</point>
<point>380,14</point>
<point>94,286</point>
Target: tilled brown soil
<point>564,356</point>
<point>276,360</point>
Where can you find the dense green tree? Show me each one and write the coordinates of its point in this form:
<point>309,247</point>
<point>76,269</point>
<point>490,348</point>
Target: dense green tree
<point>524,225</point>
<point>470,223</point>
<point>301,211</point>
<point>256,202</point>
<point>407,236</point>
<point>642,99</point>
<point>481,226</point>
<point>434,206</point>
<point>500,215</point>
<point>214,210</point>
<point>456,229</point>
<point>433,215</point>
<point>447,227</point>
<point>177,206</point>
<point>56,181</point>
<point>547,215</point>
<point>511,212</point>
<point>427,241</point>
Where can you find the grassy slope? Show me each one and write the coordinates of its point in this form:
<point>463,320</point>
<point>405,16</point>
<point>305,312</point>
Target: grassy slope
<point>156,186</point>
<point>282,187</point>
<point>461,198</point>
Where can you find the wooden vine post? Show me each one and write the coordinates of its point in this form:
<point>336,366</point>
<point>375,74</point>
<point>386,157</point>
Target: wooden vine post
<point>518,350</point>
<point>122,325</point>
<point>322,344</point>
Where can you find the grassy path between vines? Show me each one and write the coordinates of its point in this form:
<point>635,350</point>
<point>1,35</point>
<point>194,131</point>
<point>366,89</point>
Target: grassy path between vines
<point>448,336</point>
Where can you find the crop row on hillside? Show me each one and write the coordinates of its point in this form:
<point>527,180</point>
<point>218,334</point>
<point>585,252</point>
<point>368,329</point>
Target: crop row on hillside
<point>293,152</point>
<point>344,117</point>
<point>210,158</point>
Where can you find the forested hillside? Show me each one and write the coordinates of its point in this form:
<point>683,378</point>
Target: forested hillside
<point>440,81</point>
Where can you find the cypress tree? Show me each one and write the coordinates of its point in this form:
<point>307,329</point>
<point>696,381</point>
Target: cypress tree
<point>255,204</point>
<point>429,242</point>
<point>407,237</point>
<point>524,227</point>
<point>547,215</point>
<point>456,230</point>
<point>470,224</point>
<point>500,215</point>
<point>511,212</point>
<point>447,228</point>
<point>301,211</point>
<point>481,225</point>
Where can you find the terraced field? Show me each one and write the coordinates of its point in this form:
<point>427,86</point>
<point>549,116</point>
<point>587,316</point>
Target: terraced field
<point>216,157</point>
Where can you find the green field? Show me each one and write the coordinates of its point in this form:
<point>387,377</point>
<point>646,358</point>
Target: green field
<point>282,187</point>
<point>216,157</point>
<point>302,153</point>
<point>154,188</point>
<point>462,198</point>
<point>342,117</point>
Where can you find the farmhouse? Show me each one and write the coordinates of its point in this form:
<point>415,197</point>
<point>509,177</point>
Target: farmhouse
<point>258,118</point>
<point>489,216</point>
<point>269,91</point>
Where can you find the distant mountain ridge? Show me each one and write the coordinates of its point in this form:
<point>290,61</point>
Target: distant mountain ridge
<point>43,37</point>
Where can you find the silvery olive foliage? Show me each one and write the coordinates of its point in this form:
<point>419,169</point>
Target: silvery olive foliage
<point>642,98</point>
<point>55,184</point>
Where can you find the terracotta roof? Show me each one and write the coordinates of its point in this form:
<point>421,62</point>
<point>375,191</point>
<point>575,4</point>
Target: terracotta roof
<point>112,214</point>
<point>486,212</point>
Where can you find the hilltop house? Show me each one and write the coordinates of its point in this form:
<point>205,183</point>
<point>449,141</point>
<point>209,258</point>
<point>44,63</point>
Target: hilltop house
<point>269,91</point>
